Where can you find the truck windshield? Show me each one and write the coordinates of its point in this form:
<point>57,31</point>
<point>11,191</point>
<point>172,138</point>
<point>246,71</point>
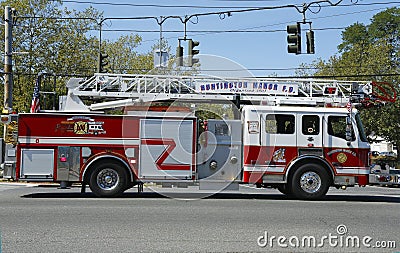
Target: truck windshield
<point>360,127</point>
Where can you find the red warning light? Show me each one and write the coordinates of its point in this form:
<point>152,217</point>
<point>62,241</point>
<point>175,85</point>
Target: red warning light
<point>328,90</point>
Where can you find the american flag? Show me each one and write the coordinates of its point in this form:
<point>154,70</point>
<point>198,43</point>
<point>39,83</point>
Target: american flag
<point>349,106</point>
<point>35,106</point>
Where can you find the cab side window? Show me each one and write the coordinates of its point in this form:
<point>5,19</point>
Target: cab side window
<point>280,124</point>
<point>337,127</point>
<point>310,124</point>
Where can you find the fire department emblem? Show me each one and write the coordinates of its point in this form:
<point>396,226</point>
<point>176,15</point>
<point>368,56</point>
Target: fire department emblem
<point>279,156</point>
<point>81,127</point>
<point>341,157</point>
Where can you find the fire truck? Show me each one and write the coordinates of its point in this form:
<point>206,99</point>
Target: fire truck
<point>300,136</point>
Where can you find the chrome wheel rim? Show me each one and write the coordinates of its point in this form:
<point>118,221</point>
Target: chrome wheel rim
<point>310,182</point>
<point>107,179</point>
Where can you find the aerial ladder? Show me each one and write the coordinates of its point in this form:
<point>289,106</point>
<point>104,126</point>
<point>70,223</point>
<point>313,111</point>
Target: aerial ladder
<point>118,90</point>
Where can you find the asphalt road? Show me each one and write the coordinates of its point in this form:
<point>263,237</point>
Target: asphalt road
<point>46,219</point>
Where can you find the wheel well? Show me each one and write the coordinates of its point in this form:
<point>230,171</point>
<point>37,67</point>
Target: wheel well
<point>315,160</point>
<point>92,165</point>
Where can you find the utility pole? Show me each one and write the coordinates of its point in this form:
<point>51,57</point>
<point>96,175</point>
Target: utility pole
<point>8,78</point>
<point>100,56</point>
<point>8,75</point>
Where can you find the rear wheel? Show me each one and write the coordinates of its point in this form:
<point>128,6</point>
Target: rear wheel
<point>310,181</point>
<point>108,180</point>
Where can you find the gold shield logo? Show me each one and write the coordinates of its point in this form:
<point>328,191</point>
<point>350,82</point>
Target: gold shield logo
<point>81,127</point>
<point>342,157</point>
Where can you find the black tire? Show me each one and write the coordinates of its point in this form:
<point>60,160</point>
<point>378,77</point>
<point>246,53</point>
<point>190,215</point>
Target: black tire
<point>285,189</point>
<point>108,179</point>
<point>310,181</point>
<point>130,185</point>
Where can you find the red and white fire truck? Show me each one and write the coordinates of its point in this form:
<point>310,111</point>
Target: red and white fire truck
<point>296,135</point>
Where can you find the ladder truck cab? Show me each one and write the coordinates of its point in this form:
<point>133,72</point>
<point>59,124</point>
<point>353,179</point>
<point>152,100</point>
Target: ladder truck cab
<point>303,150</point>
<point>296,135</point>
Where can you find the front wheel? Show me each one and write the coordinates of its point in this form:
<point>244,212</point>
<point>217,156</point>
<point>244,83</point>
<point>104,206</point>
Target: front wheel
<point>108,180</point>
<point>310,181</point>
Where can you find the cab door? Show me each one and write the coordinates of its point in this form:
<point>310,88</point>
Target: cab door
<point>310,134</point>
<point>342,151</point>
<point>277,140</point>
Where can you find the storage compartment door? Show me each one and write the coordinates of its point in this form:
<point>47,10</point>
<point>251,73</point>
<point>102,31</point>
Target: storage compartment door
<point>166,149</point>
<point>37,164</point>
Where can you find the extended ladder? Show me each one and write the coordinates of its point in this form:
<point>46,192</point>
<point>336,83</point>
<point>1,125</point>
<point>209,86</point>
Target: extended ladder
<point>115,90</point>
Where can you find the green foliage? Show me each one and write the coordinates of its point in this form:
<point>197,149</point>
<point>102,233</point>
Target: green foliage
<point>354,34</point>
<point>386,25</point>
<point>48,44</point>
<point>214,111</point>
<point>123,58</point>
<point>64,42</point>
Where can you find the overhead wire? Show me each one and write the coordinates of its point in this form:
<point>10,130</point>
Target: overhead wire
<point>211,7</point>
<point>241,30</point>
<point>67,74</point>
<point>155,5</point>
<point>281,30</point>
<point>215,31</point>
<point>205,32</point>
<point>247,29</point>
<point>269,69</point>
<point>200,14</point>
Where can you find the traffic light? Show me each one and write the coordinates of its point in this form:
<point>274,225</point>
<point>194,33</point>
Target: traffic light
<point>310,42</point>
<point>294,39</point>
<point>179,56</point>
<point>192,52</point>
<point>102,63</point>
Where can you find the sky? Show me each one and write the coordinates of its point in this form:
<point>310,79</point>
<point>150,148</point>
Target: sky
<point>260,47</point>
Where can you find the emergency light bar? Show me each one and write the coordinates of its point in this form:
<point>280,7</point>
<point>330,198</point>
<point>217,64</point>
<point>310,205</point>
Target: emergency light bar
<point>330,90</point>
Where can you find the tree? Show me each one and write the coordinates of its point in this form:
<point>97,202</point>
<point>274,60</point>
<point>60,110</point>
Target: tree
<point>64,42</point>
<point>123,57</point>
<point>46,43</point>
